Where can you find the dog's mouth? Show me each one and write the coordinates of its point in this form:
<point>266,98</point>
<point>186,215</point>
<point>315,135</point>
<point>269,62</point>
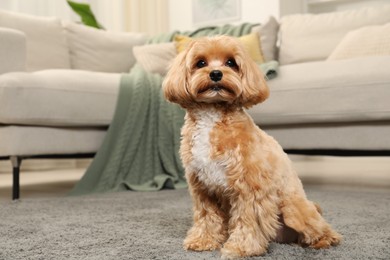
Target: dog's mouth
<point>215,88</point>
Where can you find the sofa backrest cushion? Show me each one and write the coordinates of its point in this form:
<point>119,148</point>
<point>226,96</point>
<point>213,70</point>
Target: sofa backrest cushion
<point>46,44</point>
<point>366,41</point>
<point>310,37</point>
<point>12,50</point>
<point>99,50</point>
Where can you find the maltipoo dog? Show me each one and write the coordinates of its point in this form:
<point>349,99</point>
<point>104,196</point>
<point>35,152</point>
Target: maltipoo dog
<point>245,192</point>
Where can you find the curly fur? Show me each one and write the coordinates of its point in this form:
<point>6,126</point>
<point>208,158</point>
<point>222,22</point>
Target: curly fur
<point>245,192</point>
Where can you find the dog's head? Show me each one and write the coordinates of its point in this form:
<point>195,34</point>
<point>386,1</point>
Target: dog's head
<point>215,70</point>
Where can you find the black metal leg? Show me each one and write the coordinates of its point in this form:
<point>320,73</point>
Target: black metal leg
<point>16,162</point>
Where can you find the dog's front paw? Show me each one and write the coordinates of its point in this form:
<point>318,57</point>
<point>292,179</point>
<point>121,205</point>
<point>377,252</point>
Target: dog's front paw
<point>331,238</point>
<point>234,251</point>
<point>204,243</point>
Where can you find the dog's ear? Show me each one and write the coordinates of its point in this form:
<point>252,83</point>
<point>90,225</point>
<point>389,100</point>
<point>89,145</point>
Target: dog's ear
<point>255,89</point>
<point>175,85</point>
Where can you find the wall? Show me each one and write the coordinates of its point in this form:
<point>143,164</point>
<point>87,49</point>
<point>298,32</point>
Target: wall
<point>256,11</point>
<point>316,6</point>
<point>252,11</point>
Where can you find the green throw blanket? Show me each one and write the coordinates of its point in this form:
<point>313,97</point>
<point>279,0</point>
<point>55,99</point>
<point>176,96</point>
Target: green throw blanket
<point>141,148</point>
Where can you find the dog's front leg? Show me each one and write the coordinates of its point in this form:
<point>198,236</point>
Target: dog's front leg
<point>209,230</point>
<point>253,223</point>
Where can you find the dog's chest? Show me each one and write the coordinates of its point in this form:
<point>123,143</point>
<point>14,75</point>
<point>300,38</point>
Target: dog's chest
<point>210,171</point>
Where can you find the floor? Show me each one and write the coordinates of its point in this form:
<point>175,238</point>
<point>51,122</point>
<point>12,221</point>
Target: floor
<point>42,178</point>
<point>54,178</point>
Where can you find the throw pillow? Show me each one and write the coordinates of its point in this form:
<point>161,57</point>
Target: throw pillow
<point>181,42</point>
<point>311,37</point>
<point>367,41</point>
<point>268,33</point>
<point>99,50</point>
<point>250,41</point>
<point>155,58</point>
<point>46,46</point>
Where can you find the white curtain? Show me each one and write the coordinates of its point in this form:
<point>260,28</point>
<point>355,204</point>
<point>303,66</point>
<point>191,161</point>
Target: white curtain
<point>149,16</point>
<point>109,13</point>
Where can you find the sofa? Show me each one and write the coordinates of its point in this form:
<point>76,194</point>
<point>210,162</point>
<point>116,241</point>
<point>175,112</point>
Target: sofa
<point>59,82</point>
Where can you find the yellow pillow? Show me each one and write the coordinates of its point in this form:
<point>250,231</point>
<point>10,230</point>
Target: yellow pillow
<point>250,41</point>
<point>181,42</point>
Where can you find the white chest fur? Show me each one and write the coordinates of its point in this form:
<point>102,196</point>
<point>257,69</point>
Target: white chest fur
<point>210,171</point>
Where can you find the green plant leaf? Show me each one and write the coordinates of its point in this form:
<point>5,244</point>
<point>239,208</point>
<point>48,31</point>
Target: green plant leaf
<point>85,13</point>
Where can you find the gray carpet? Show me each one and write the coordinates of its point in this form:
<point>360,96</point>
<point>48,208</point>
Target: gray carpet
<point>138,225</point>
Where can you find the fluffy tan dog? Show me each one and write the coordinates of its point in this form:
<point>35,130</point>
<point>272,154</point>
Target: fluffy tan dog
<point>244,189</point>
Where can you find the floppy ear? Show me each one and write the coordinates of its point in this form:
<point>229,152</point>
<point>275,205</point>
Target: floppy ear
<point>255,89</point>
<point>175,84</point>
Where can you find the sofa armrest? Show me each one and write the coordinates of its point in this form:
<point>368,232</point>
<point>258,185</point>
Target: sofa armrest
<point>12,50</point>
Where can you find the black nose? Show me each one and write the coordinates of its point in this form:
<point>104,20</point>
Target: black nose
<point>216,75</point>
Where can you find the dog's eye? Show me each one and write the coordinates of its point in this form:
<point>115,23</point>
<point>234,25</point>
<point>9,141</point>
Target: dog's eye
<point>201,64</point>
<point>231,63</point>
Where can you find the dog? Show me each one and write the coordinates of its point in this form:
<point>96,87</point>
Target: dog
<point>244,189</point>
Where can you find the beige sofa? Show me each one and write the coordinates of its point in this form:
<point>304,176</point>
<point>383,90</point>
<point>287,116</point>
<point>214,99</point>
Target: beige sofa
<point>59,83</point>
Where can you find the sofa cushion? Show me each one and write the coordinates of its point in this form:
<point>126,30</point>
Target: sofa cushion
<point>268,35</point>
<point>311,37</point>
<point>58,98</point>
<point>354,90</point>
<point>155,58</point>
<point>251,43</point>
<point>47,47</point>
<point>12,50</point>
<point>366,136</point>
<point>33,140</point>
<point>366,41</point>
<point>99,50</point>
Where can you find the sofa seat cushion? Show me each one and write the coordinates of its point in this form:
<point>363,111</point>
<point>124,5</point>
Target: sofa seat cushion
<point>58,98</point>
<point>41,140</point>
<point>353,90</point>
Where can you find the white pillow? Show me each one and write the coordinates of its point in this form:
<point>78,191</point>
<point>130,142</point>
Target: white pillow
<point>46,44</point>
<point>310,37</point>
<point>268,33</point>
<point>155,58</point>
<point>367,41</point>
<point>99,50</point>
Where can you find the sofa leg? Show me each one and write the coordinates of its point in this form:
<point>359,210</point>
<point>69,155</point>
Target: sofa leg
<point>16,162</point>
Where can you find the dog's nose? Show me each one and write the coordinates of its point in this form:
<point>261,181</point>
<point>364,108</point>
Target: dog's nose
<point>216,75</point>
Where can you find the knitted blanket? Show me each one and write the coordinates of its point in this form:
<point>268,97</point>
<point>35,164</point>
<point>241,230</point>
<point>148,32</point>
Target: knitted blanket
<point>140,149</point>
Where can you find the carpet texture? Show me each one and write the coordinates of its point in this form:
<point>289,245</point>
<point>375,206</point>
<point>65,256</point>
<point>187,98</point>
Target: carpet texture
<point>152,225</point>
